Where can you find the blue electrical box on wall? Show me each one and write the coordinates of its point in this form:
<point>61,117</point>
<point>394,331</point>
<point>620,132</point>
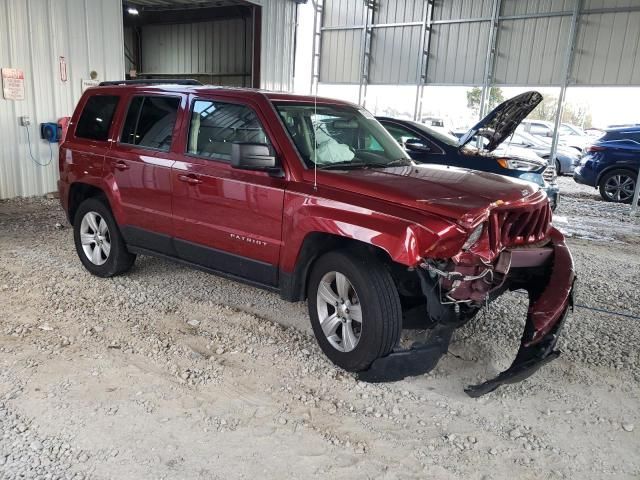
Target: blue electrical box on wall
<point>50,132</point>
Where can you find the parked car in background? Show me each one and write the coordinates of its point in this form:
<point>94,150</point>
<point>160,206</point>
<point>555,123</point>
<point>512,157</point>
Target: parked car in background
<point>568,135</point>
<point>595,133</point>
<point>611,164</point>
<point>566,158</point>
<point>313,199</point>
<point>427,145</point>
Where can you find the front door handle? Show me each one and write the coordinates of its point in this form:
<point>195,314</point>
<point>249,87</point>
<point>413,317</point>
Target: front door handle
<point>121,165</point>
<point>191,179</point>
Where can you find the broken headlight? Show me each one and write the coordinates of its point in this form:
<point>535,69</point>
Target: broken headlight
<point>474,237</point>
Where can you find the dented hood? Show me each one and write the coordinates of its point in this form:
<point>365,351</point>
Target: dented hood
<point>503,120</point>
<point>462,195</point>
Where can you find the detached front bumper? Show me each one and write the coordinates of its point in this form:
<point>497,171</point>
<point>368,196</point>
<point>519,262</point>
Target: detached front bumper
<point>548,276</point>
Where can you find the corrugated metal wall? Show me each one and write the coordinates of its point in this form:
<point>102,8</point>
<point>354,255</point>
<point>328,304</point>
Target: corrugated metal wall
<point>33,35</point>
<point>399,45</point>
<point>607,49</point>
<point>532,51</point>
<point>395,41</point>
<point>221,50</point>
<point>453,60</point>
<point>277,44</point>
<point>530,48</point>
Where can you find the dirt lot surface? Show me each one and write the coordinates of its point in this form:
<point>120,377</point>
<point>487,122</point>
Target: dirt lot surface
<point>170,373</point>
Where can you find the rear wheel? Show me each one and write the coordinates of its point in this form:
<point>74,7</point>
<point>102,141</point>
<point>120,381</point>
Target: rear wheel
<point>618,186</point>
<point>98,241</point>
<point>354,308</point>
<point>558,168</point>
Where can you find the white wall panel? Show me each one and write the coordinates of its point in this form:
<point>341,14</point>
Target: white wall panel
<point>277,52</point>
<point>33,35</point>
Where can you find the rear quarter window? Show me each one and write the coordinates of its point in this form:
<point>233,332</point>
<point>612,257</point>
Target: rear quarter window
<point>96,117</point>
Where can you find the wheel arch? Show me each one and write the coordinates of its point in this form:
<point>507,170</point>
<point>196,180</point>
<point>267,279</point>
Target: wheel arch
<point>78,193</point>
<point>611,168</point>
<point>293,286</point>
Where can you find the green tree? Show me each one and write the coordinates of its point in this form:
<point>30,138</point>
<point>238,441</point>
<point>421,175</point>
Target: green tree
<point>475,95</point>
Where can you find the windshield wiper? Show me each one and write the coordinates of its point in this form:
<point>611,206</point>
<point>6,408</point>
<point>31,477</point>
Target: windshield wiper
<point>402,162</point>
<point>344,165</point>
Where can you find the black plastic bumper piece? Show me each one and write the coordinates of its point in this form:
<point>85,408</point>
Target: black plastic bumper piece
<point>527,362</point>
<point>417,360</point>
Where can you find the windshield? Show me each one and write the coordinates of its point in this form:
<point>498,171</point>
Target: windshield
<point>339,136</point>
<point>444,137</point>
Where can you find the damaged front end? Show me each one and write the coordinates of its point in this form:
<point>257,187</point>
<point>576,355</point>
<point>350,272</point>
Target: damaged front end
<point>533,257</point>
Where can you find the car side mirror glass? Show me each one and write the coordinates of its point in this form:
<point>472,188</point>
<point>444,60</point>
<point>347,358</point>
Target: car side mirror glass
<point>252,156</point>
<point>415,145</point>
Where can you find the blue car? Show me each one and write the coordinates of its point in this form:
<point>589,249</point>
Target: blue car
<point>611,164</point>
<point>428,145</point>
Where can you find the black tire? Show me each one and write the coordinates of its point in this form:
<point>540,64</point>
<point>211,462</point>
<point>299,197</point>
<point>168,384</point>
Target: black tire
<point>558,168</point>
<point>380,307</point>
<point>611,176</point>
<point>119,259</point>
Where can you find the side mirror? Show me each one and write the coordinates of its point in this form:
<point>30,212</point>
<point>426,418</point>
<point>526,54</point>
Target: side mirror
<point>549,134</point>
<point>252,156</point>
<point>415,145</point>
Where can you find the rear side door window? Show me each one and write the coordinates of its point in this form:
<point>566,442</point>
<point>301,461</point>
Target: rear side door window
<point>149,122</point>
<point>96,117</point>
<point>216,126</point>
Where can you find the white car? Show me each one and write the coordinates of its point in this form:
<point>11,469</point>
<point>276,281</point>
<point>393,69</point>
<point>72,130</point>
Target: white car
<point>569,135</point>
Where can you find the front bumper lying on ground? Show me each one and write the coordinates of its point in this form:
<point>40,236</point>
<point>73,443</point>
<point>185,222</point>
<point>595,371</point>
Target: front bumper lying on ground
<point>546,273</point>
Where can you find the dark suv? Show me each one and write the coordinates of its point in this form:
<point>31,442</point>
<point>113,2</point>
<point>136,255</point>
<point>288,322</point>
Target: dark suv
<point>611,164</point>
<point>313,199</point>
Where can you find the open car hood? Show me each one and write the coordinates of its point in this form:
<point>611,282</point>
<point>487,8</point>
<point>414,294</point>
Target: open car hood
<point>503,120</point>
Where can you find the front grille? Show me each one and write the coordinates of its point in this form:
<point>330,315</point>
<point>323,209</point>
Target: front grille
<point>522,226</point>
<point>549,174</point>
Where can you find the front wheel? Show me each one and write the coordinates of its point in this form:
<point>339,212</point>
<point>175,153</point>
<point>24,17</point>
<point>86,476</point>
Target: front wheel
<point>618,186</point>
<point>354,308</point>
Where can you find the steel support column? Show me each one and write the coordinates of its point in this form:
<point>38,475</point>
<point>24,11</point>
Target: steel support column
<point>490,58</point>
<point>318,7</point>
<point>423,57</point>
<point>365,52</point>
<point>573,33</point>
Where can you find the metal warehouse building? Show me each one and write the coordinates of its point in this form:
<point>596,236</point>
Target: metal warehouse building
<point>63,46</point>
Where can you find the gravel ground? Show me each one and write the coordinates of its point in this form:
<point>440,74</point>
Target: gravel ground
<point>168,372</point>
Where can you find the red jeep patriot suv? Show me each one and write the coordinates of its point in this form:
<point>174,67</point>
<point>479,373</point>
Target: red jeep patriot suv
<point>312,198</point>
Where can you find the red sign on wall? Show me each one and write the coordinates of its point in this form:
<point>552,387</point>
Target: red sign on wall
<point>12,83</point>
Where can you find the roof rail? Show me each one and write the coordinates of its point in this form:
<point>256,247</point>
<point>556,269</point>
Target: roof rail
<point>155,81</point>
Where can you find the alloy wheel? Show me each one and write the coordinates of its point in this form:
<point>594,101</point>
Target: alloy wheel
<point>620,188</point>
<point>339,311</point>
<point>95,238</point>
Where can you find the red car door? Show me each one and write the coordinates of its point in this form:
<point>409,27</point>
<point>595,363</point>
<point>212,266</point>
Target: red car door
<point>139,165</point>
<point>226,219</point>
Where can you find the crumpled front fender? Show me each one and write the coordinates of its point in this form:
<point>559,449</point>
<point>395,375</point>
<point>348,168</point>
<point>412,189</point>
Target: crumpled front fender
<point>550,292</point>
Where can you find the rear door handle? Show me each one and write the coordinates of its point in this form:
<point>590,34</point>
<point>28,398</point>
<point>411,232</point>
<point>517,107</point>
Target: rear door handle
<point>191,179</point>
<point>120,165</point>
